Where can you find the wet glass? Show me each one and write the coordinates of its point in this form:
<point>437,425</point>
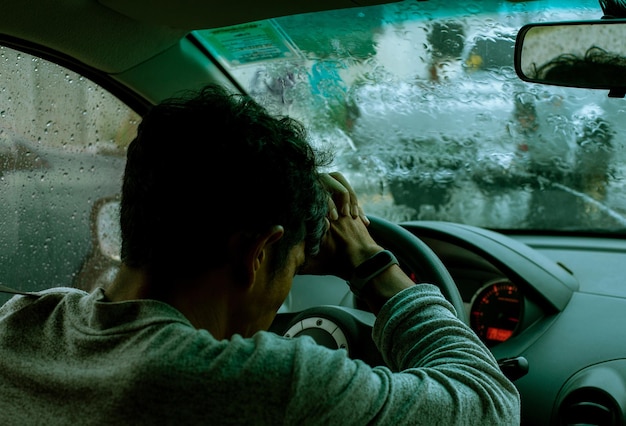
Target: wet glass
<point>428,119</point>
<point>62,148</point>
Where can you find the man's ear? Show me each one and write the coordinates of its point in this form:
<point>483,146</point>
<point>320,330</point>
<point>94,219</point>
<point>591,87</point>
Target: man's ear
<point>252,253</point>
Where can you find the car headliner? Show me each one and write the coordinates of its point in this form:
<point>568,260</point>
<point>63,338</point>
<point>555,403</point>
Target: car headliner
<point>145,27</point>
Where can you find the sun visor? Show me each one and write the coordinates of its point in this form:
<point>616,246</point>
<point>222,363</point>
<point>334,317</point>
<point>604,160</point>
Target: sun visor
<point>199,14</point>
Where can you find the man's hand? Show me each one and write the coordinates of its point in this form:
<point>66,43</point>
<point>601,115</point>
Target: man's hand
<point>342,198</point>
<point>347,241</point>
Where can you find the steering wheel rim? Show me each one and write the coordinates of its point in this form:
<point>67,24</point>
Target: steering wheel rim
<point>416,255</point>
<point>340,326</point>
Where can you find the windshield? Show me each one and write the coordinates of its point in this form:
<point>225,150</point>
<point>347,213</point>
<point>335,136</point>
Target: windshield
<point>427,118</point>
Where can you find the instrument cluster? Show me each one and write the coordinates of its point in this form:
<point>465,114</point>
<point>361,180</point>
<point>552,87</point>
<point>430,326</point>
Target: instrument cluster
<point>495,311</point>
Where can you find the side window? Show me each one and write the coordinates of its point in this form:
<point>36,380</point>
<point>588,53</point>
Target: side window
<point>63,141</point>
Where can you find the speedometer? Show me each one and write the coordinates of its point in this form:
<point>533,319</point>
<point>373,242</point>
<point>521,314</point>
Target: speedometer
<point>496,311</point>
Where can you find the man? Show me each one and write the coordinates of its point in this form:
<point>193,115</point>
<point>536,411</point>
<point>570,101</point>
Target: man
<point>221,206</point>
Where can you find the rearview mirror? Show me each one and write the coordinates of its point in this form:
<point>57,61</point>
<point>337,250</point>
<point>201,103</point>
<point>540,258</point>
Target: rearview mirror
<point>587,54</point>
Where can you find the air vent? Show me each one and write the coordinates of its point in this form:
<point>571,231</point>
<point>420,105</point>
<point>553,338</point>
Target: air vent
<point>595,396</point>
<point>589,406</point>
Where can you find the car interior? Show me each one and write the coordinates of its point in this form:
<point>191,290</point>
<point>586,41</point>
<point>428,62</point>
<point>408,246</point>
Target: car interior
<point>486,165</point>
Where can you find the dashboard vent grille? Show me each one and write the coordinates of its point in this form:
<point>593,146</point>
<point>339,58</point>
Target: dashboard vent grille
<point>589,406</point>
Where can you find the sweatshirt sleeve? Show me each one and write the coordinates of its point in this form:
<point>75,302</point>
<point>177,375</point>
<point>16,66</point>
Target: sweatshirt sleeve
<point>439,373</point>
<point>437,358</point>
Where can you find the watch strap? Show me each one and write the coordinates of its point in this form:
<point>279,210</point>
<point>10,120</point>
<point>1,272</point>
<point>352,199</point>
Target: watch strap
<point>370,268</point>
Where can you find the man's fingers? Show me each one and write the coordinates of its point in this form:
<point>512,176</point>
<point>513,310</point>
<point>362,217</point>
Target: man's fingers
<point>353,203</point>
<point>346,197</point>
<point>343,199</point>
<point>332,210</point>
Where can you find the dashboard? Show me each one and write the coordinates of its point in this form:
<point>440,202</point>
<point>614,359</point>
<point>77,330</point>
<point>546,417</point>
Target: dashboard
<point>551,308</point>
<point>506,286</point>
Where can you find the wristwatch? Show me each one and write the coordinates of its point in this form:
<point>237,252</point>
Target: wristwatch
<point>369,268</point>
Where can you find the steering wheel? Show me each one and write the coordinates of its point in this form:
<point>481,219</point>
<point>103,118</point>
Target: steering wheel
<point>415,255</point>
<point>343,327</point>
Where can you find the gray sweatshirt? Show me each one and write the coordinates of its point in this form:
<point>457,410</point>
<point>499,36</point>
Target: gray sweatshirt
<point>72,358</point>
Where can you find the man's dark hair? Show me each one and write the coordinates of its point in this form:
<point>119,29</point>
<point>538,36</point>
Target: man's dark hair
<point>613,8</point>
<point>596,65</point>
<point>208,164</point>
